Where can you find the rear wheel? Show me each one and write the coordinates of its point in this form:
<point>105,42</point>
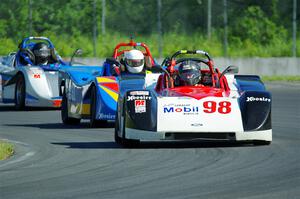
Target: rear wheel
<point>65,113</point>
<point>20,91</point>
<point>93,111</point>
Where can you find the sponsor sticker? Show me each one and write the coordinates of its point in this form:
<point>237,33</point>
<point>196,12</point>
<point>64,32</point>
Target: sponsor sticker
<point>186,110</point>
<point>36,76</point>
<point>134,97</point>
<point>258,99</point>
<point>196,124</point>
<point>140,106</point>
<point>139,93</point>
<point>223,107</point>
<point>107,116</point>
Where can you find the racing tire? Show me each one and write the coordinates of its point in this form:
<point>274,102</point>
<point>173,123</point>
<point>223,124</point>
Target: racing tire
<point>128,143</point>
<point>118,140</point>
<point>20,92</point>
<point>94,123</point>
<point>65,114</point>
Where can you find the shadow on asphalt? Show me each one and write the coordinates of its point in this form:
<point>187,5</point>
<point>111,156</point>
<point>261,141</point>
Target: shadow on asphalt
<point>82,125</point>
<point>151,145</point>
<point>11,108</point>
<point>89,145</point>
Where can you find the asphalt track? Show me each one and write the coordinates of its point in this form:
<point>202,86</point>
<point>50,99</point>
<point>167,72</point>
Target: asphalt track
<point>55,161</point>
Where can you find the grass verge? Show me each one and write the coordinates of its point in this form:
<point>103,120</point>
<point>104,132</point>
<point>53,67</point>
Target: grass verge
<point>295,78</point>
<point>6,150</point>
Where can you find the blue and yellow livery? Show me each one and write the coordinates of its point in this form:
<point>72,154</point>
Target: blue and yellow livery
<point>88,95</point>
<point>90,92</point>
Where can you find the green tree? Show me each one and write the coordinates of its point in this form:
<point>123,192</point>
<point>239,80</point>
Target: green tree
<point>255,26</point>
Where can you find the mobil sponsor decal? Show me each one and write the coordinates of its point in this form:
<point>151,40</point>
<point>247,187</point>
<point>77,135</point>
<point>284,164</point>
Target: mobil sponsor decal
<point>185,109</point>
<point>222,107</point>
<point>180,108</point>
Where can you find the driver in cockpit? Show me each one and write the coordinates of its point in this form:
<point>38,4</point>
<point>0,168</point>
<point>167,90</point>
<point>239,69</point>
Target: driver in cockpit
<point>189,74</point>
<point>42,53</point>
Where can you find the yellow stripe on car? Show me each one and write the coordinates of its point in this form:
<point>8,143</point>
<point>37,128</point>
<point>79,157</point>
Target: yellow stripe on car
<point>110,92</point>
<point>105,80</point>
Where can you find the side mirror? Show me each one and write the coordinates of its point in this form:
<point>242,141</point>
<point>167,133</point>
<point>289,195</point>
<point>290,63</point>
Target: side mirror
<point>76,52</point>
<point>111,60</point>
<point>230,70</point>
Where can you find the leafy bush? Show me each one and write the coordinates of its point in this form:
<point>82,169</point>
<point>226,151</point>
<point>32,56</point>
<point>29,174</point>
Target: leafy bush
<point>256,27</point>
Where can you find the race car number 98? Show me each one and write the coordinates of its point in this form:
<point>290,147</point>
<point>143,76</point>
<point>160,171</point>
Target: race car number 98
<point>223,107</point>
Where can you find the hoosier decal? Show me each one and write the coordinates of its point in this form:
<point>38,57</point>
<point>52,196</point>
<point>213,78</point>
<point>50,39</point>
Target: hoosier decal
<point>131,98</point>
<point>258,99</point>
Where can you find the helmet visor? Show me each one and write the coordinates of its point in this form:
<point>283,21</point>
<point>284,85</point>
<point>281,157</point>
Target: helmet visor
<point>42,52</point>
<point>190,77</point>
<point>135,62</point>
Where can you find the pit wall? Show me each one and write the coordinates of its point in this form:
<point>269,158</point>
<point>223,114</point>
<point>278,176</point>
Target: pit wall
<point>252,66</point>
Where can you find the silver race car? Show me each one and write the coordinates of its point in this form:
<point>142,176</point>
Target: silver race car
<point>29,77</point>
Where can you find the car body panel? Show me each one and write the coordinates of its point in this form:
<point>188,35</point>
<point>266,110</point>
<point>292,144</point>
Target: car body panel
<point>188,114</point>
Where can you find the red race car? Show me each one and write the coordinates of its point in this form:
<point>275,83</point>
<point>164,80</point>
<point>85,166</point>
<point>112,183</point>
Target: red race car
<point>193,100</point>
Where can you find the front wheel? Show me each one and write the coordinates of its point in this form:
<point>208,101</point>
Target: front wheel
<point>118,140</point>
<point>129,143</point>
<point>20,91</point>
<point>93,111</point>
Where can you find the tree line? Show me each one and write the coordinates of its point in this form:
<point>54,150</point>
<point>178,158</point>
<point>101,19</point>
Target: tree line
<point>250,22</point>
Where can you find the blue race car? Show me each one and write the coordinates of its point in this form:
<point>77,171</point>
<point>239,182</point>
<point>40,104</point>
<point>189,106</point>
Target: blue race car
<point>28,81</point>
<point>92,92</point>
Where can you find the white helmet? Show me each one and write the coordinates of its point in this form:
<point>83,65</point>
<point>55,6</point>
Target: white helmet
<point>134,61</point>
